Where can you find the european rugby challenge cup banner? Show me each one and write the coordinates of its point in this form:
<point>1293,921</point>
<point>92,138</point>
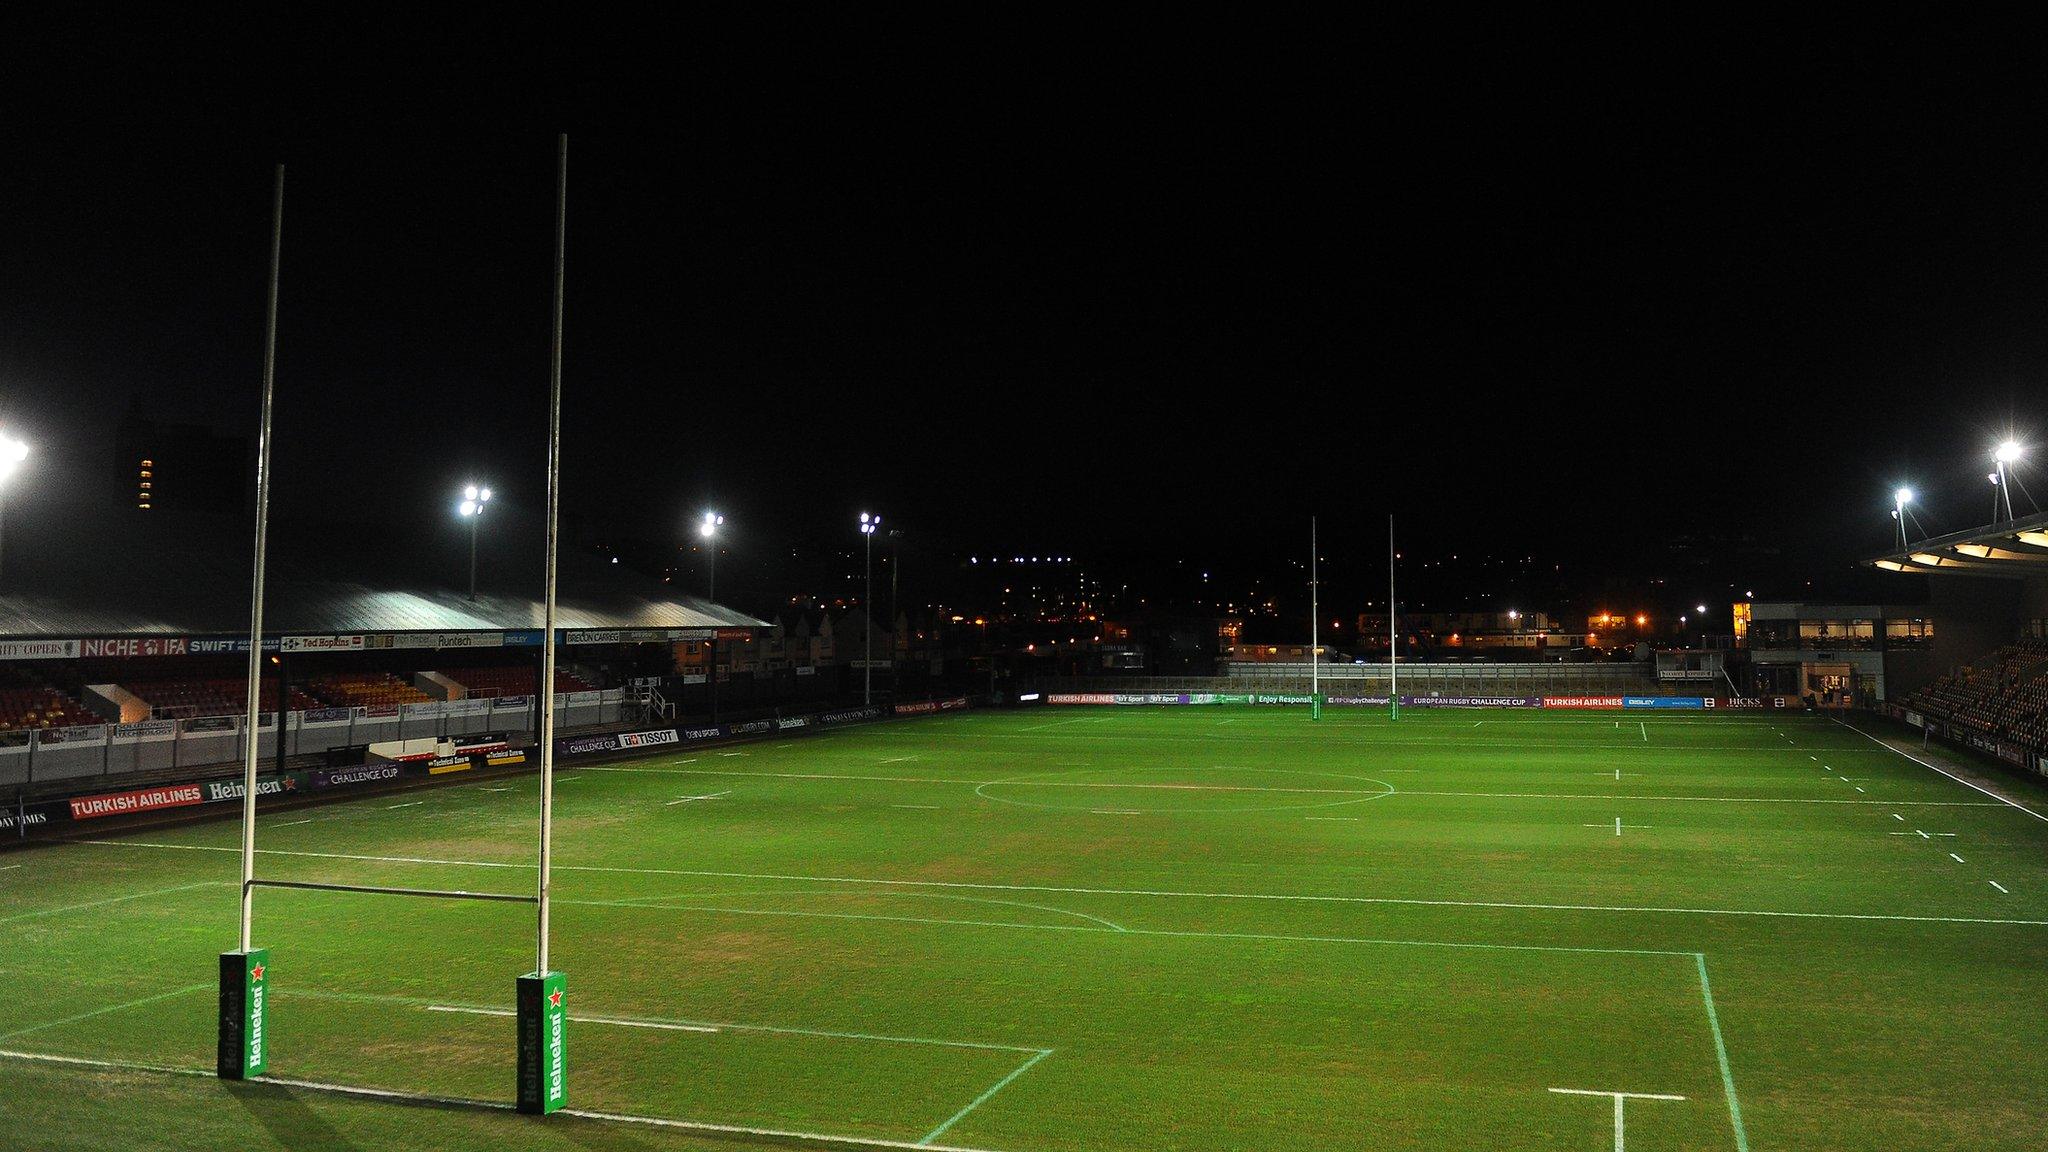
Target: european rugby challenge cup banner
<point>244,1014</point>
<point>543,1041</point>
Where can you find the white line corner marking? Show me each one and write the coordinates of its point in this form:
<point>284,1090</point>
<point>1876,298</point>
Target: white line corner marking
<point>1620,1098</point>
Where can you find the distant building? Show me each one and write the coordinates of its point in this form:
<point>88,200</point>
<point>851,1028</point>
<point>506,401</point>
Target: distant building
<point>163,467</point>
<point>1839,653</point>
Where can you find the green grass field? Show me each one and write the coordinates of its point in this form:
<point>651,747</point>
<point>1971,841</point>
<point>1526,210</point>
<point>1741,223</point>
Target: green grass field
<point>1093,929</point>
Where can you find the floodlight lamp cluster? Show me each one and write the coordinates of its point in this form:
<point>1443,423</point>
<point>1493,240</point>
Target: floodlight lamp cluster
<point>12,453</point>
<point>473,501</point>
<point>708,527</point>
<point>869,524</point>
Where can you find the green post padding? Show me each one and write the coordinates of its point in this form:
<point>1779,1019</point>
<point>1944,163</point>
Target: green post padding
<point>244,1014</point>
<point>543,1042</point>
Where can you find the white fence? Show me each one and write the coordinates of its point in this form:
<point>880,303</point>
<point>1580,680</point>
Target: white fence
<point>115,749</point>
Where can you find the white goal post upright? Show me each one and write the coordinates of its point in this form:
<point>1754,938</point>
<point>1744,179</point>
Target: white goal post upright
<point>543,1015</point>
<point>1315,611</point>
<point>243,1049</point>
<point>1393,631</point>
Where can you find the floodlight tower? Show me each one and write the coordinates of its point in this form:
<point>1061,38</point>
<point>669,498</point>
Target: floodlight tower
<point>12,453</point>
<point>1900,499</point>
<point>472,510</point>
<point>869,525</point>
<point>2008,452</point>
<point>708,528</point>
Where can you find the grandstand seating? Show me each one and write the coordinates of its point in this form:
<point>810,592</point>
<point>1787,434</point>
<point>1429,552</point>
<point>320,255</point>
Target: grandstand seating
<point>2005,696</point>
<point>27,703</point>
<point>365,689</point>
<point>212,697</point>
<point>513,681</point>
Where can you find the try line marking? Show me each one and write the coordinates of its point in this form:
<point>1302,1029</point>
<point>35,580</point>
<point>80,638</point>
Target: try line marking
<point>1166,893</point>
<point>1026,782</point>
<point>777,1134</point>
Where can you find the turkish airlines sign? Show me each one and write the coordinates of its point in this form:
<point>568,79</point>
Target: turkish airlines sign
<point>145,800</point>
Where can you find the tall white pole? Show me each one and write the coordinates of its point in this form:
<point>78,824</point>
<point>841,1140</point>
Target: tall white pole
<point>250,732</point>
<point>547,651</point>
<point>1315,611</point>
<point>1393,631</point>
<point>867,684</point>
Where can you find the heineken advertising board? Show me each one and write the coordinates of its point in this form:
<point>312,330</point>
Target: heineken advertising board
<point>244,1014</point>
<point>543,1041</point>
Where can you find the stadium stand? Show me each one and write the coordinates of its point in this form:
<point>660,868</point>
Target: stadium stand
<point>512,681</point>
<point>365,689</point>
<point>26,702</point>
<point>2005,696</point>
<point>211,697</point>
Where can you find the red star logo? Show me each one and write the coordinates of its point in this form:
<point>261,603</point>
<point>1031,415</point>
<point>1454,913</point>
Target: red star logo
<point>555,998</point>
<point>256,973</point>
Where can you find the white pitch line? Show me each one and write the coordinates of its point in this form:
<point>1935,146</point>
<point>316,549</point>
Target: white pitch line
<point>1896,816</point>
<point>1349,819</point>
<point>1619,1100</point>
<point>1646,731</point>
<point>293,823</point>
<point>1030,783</point>
<point>1957,859</point>
<point>776,1134</point>
<point>161,996</point>
<point>1943,771</point>
<point>2000,887</point>
<point>921,807</point>
<point>1276,897</point>
<point>115,899</point>
<point>580,1019</point>
<point>688,799</point>
<point>409,804</point>
<point>999,1085</point>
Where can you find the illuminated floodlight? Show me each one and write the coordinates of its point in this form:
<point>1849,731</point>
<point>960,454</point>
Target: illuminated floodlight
<point>2008,451</point>
<point>12,453</point>
<point>708,527</point>
<point>474,498</point>
<point>868,525</point>
<point>1700,608</point>
<point>1903,497</point>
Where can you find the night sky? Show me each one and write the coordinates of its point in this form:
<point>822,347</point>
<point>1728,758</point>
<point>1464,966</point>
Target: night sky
<point>1132,294</point>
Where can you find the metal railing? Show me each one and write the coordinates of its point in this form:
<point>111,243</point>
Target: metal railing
<point>40,756</point>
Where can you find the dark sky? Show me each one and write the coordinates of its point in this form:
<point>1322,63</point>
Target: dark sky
<point>1133,292</point>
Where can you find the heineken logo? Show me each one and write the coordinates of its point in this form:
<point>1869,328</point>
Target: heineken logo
<point>256,973</point>
<point>554,998</point>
